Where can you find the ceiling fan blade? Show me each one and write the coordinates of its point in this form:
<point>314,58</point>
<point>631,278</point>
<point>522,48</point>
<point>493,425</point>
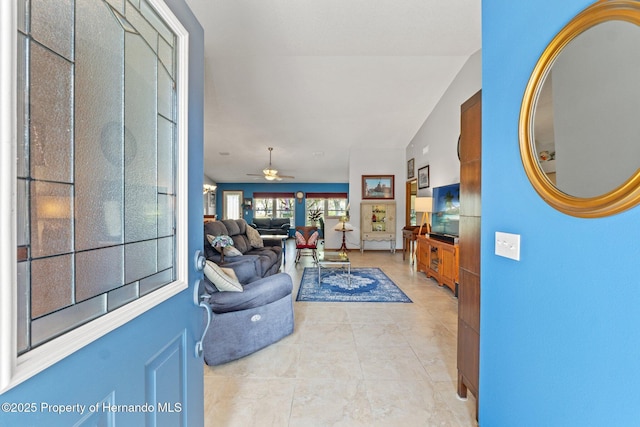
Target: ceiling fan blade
<point>285,176</point>
<point>255,174</point>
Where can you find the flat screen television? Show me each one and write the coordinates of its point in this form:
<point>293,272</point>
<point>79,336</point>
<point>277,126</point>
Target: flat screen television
<point>445,218</point>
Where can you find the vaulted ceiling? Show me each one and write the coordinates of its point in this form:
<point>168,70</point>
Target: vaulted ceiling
<point>313,78</point>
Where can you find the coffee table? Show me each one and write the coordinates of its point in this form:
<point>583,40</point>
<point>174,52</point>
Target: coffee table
<point>328,259</point>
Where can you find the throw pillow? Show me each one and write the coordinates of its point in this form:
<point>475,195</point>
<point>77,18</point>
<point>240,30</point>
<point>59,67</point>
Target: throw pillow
<point>220,280</point>
<point>313,239</point>
<point>300,239</point>
<point>229,272</point>
<point>229,251</point>
<point>254,237</point>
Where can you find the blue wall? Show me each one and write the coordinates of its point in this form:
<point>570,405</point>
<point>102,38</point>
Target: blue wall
<point>250,188</point>
<point>560,335</point>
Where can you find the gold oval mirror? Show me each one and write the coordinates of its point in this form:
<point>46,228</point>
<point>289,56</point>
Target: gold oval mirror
<point>579,122</point>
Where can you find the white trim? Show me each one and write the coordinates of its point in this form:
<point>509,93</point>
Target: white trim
<point>8,239</point>
<point>13,369</point>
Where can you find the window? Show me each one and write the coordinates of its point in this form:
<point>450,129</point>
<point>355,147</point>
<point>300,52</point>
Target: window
<point>232,204</point>
<point>331,205</point>
<point>273,205</point>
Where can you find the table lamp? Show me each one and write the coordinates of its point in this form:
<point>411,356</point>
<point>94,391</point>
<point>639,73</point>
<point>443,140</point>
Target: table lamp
<point>424,205</point>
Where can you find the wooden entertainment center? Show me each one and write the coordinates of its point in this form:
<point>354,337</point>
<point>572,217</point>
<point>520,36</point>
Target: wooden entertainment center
<point>439,260</point>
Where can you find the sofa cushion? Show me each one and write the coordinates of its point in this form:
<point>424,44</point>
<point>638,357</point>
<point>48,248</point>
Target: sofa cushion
<point>254,238</point>
<point>283,223</point>
<point>232,226</point>
<point>221,281</point>
<point>241,242</point>
<point>262,222</point>
<point>215,228</point>
<point>256,294</point>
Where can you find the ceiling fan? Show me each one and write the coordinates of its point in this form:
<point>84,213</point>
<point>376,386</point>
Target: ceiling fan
<point>269,173</point>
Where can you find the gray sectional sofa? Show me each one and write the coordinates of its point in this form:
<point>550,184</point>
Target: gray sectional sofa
<point>244,322</point>
<point>272,226</point>
<point>268,259</point>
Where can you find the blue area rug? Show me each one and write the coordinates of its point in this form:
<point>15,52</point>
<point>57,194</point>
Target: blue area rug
<point>367,285</point>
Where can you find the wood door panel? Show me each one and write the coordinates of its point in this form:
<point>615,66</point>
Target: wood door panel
<point>470,203</point>
<point>470,244</point>
<point>469,299</point>
<point>468,356</point>
<point>470,123</point>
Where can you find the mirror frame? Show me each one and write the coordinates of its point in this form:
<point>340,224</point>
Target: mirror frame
<point>620,198</point>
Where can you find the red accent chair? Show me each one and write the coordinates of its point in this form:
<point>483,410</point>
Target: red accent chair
<point>306,240</point>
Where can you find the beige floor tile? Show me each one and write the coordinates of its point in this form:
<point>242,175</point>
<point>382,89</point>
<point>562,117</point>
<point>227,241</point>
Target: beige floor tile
<point>351,364</point>
<point>391,363</point>
<point>244,402</point>
<point>330,403</point>
<point>329,362</point>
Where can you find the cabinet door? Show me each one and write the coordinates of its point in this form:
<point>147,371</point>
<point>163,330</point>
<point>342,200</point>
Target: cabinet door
<point>391,218</point>
<point>434,256</point>
<point>447,259</point>
<point>366,212</point>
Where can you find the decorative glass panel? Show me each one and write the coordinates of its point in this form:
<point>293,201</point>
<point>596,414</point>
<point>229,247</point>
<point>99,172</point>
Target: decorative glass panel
<point>149,34</point>
<point>50,326</point>
<point>165,93</point>
<point>23,102</point>
<point>96,161</point>
<point>151,16</point>
<point>140,260</point>
<point>165,155</point>
<point>22,208</point>
<point>99,127</point>
<point>51,219</point>
<point>156,281</point>
<point>52,25</point>
<point>50,284</point>
<point>141,146</point>
<point>98,271</point>
<point>119,297</point>
<point>24,309</point>
<point>51,127</point>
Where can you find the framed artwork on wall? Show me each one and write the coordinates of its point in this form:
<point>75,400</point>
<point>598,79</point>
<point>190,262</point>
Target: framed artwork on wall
<point>423,177</point>
<point>378,187</point>
<point>411,168</point>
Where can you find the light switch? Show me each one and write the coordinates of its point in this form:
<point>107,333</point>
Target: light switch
<point>508,245</point>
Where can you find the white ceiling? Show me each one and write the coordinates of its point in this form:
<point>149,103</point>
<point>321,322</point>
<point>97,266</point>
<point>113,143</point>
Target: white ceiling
<point>313,78</point>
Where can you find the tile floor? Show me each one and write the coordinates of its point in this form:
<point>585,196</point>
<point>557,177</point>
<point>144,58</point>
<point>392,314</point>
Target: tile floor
<point>351,364</point>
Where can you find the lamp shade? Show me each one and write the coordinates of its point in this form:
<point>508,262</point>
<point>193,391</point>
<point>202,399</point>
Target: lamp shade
<point>343,226</point>
<point>424,204</point>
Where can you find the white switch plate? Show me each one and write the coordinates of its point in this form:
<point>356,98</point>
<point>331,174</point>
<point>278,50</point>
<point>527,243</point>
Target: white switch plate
<point>508,245</point>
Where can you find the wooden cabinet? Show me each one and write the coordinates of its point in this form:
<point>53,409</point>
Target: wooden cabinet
<point>378,223</point>
<point>439,260</point>
<point>469,285</point>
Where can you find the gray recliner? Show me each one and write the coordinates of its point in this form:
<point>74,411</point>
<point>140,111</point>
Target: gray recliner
<point>245,322</point>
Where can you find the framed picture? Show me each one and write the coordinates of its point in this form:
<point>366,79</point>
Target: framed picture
<point>378,187</point>
<point>248,203</point>
<point>411,168</point>
<point>423,177</point>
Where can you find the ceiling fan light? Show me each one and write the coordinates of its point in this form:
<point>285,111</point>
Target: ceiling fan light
<point>269,171</point>
<point>269,177</point>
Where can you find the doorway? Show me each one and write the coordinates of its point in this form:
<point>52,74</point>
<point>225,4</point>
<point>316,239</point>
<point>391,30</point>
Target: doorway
<point>410,203</point>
